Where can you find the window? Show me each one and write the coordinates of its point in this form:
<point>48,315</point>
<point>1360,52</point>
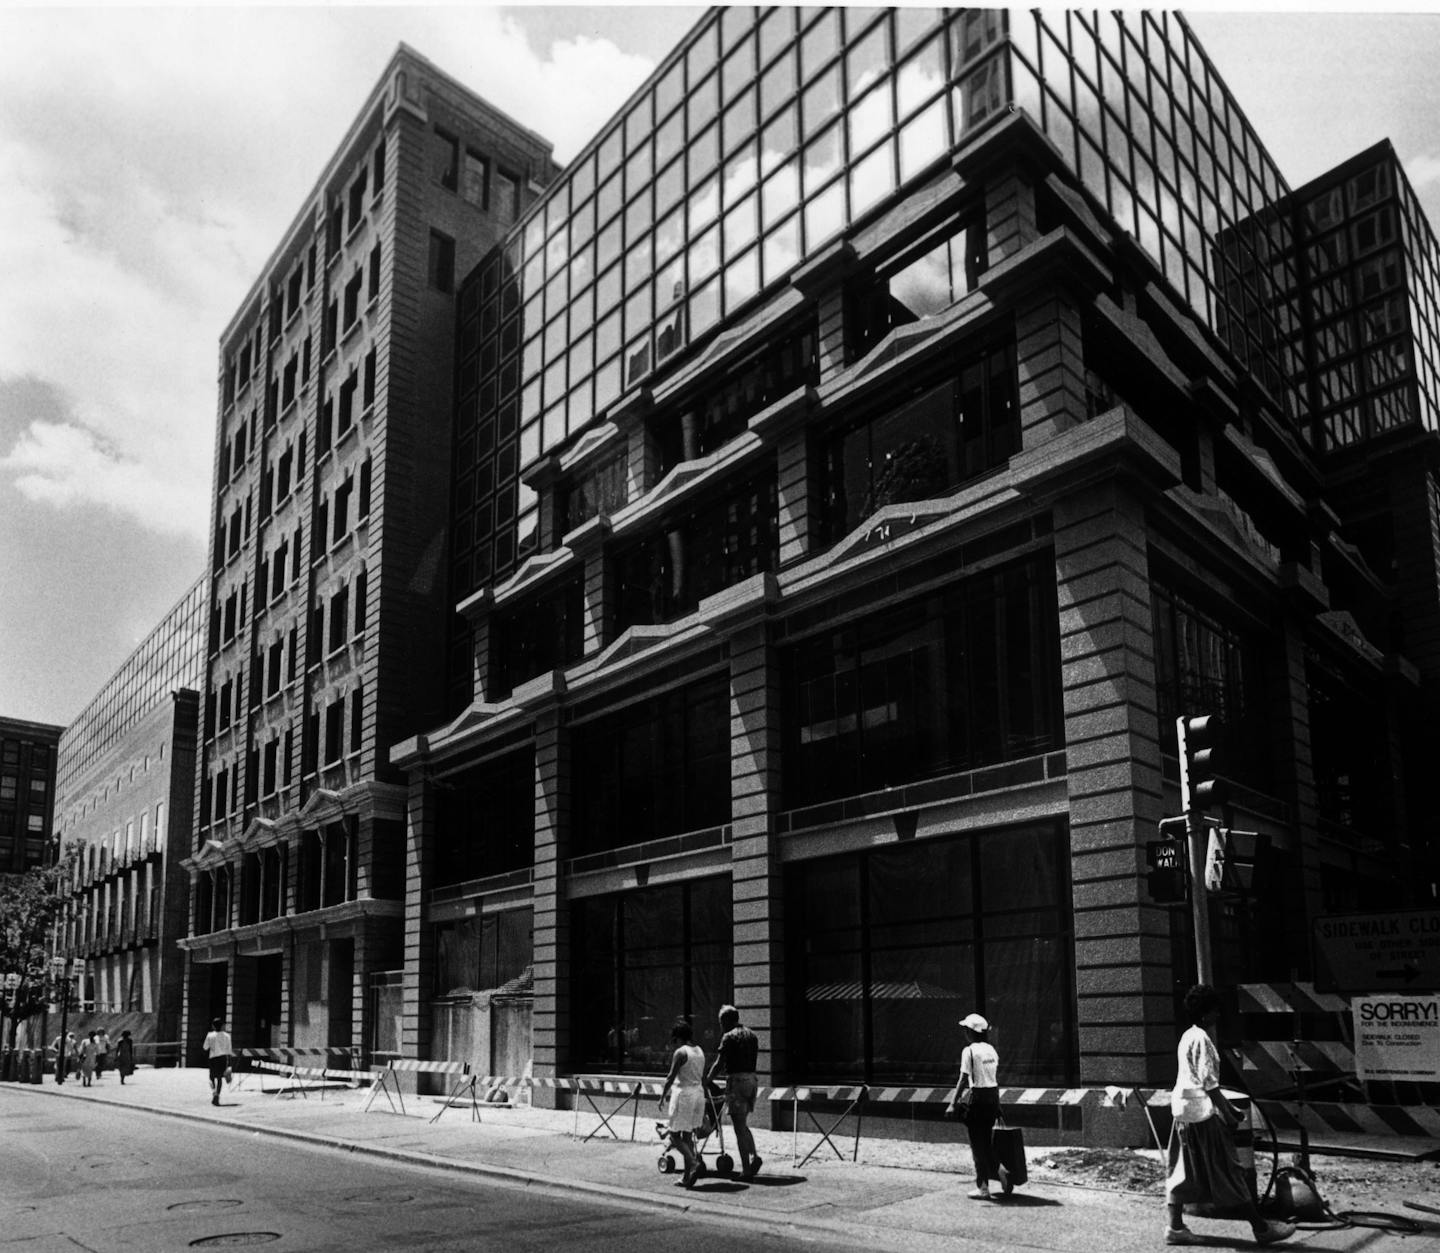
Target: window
<point>543,635</point>
<point>444,158</point>
<point>357,201</point>
<point>342,508</point>
<point>655,768</point>
<point>361,580</point>
<point>357,717</point>
<point>322,524</point>
<point>347,404</point>
<point>367,394</point>
<point>962,678</point>
<point>282,479</point>
<point>887,941</point>
<point>326,424</point>
<point>352,297</point>
<point>665,575</point>
<point>925,448</point>
<point>442,262</point>
<point>601,491</point>
<point>473,186</point>
<point>373,290</point>
<point>363,506</point>
<point>378,178</point>
<point>287,388</point>
<point>505,197</point>
<point>486,952</point>
<point>293,293</point>
<point>640,959</point>
<point>339,618</point>
<point>329,331</point>
<point>274,660</point>
<point>335,732</point>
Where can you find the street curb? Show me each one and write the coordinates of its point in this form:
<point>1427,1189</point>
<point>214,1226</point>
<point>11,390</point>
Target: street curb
<point>527,1180</point>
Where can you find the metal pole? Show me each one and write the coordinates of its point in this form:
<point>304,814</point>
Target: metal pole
<point>62,1059</point>
<point>1197,842</point>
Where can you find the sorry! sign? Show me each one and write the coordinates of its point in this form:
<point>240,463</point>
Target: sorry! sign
<point>1397,1037</point>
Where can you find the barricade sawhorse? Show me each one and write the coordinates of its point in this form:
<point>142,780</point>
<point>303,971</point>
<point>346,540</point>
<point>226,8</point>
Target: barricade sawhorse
<point>298,1067</point>
<point>584,1085</point>
<point>388,1082</point>
<point>855,1098</point>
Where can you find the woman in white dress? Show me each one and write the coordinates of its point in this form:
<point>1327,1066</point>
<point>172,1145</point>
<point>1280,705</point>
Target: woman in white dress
<point>685,1090</point>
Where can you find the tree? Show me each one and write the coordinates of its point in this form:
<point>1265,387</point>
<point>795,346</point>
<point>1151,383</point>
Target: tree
<point>30,905</point>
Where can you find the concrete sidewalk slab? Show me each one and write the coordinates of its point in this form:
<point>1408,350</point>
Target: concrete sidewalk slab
<point>890,1206</point>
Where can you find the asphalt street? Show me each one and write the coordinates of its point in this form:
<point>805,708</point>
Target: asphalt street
<point>105,1179</point>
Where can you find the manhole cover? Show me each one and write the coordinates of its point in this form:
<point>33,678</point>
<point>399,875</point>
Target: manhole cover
<point>235,1237</point>
<point>189,1207</point>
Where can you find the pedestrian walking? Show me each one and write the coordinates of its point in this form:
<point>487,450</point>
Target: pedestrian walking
<point>685,1089</point>
<point>1203,1168</point>
<point>102,1051</point>
<point>977,1099</point>
<point>88,1051</point>
<point>66,1049</point>
<point>125,1056</point>
<point>217,1048</point>
<point>737,1056</point>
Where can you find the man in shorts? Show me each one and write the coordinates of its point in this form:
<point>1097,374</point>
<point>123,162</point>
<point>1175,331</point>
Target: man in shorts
<point>739,1048</point>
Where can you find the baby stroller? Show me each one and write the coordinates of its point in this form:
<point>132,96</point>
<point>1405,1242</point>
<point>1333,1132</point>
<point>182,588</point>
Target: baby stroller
<point>713,1125</point>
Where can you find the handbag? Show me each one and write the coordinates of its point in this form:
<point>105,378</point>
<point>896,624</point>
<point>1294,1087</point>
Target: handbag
<point>963,1103</point>
<point>1008,1149</point>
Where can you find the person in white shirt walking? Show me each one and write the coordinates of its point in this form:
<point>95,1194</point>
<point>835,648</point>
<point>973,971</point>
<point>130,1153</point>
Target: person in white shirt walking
<point>979,1068</point>
<point>217,1047</point>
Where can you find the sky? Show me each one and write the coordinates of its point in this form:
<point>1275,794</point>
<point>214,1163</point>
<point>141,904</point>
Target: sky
<point>150,160</point>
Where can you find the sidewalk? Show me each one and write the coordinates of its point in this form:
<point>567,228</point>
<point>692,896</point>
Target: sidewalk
<point>902,1195</point>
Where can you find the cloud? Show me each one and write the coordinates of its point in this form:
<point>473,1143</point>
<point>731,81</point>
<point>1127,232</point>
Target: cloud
<point>1423,170</point>
<point>61,465</point>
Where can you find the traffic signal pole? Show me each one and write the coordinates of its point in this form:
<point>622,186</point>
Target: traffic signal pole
<point>1199,788</point>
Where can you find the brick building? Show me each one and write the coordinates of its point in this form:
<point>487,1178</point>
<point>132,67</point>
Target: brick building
<point>327,590</point>
<point>913,413</point>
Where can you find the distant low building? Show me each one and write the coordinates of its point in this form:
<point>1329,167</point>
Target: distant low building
<point>27,793</point>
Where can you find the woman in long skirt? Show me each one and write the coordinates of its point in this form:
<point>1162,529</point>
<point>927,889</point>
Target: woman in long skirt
<point>1203,1168</point>
<point>125,1056</point>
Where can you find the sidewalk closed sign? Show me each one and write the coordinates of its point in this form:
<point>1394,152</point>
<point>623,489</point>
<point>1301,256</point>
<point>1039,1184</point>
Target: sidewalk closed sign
<point>1397,1037</point>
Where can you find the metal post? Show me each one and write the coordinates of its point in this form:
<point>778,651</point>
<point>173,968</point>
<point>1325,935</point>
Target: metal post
<point>1196,840</point>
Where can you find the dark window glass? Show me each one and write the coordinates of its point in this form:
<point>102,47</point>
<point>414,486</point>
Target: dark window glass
<point>544,634</point>
<point>442,262</point>
<point>485,820</point>
<point>714,546</point>
<point>942,438</point>
<point>885,944</point>
<point>959,679</point>
<point>444,159</point>
<point>655,768</point>
<point>641,960</point>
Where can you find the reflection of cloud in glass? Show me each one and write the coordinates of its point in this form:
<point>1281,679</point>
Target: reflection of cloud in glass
<point>919,79</point>
<point>704,205</point>
<point>822,160</point>
<point>782,250</point>
<point>781,193</point>
<point>740,175</point>
<point>825,215</point>
<point>871,180</point>
<point>923,140</point>
<point>869,120</point>
<point>923,286</point>
<point>705,255</point>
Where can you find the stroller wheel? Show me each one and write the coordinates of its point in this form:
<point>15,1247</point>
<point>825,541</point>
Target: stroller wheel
<point>725,1165</point>
<point>666,1164</point>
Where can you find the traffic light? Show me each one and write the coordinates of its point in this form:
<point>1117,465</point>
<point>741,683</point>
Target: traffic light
<point>1200,786</point>
<point>1166,878</point>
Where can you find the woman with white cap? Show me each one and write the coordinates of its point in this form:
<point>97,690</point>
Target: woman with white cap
<point>979,1064</point>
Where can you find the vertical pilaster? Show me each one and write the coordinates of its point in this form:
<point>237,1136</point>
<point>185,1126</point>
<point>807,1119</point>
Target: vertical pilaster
<point>551,1023</point>
<point>419,965</point>
<point>1050,362</point>
<point>1122,948</point>
<point>757,899</point>
<point>830,318</point>
<point>793,487</point>
<point>1010,221</point>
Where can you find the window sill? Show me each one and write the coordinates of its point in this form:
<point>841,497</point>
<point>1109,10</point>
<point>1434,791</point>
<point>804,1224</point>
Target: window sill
<point>373,303</point>
<point>346,436</point>
<point>290,408</point>
<point>293,318</point>
<point>355,230</point>
<point>350,331</point>
<point>327,358</point>
<point>368,412</point>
